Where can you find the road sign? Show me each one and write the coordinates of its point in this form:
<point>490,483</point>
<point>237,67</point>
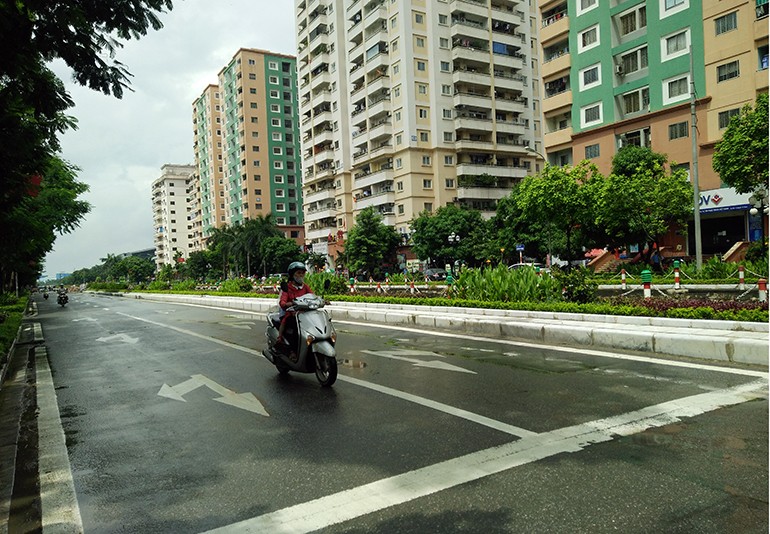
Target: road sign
<point>519,248</point>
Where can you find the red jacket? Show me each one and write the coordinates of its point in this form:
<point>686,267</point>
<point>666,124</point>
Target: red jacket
<point>293,291</point>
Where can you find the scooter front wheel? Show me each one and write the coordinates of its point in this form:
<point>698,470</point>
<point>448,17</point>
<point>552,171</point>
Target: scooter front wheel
<point>326,370</point>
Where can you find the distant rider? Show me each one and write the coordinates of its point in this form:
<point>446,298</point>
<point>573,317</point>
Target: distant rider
<point>295,288</point>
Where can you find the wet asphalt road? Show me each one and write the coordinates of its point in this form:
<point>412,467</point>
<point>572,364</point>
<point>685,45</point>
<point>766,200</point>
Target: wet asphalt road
<point>405,402</point>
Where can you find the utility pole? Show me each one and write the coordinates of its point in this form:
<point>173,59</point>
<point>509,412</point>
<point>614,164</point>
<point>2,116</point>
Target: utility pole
<point>694,173</point>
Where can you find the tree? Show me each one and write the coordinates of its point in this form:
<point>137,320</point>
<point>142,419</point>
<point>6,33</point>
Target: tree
<point>370,243</point>
<point>560,198</point>
<point>430,233</point>
<point>640,200</point>
<point>741,156</point>
<point>277,253</point>
<point>135,269</point>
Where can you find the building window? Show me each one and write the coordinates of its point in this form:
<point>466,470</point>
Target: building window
<point>448,137</point>
<point>273,80</point>
<point>400,209</point>
<point>591,115</point>
<point>422,89</point>
<point>592,151</point>
<point>445,66</point>
<point>272,65</point>
<point>670,7</point>
<point>446,90</point>
<point>422,113</point>
<point>590,77</point>
<point>589,38</point>
<point>675,45</point>
<point>443,42</point>
<point>419,18</point>
<point>449,183</point>
<point>426,160</point>
<point>726,116</point>
<point>728,71</point>
<point>280,207</point>
<point>676,89</point>
<point>726,23</point>
<point>634,61</point>
<point>762,51</point>
<point>633,20</point>
<point>419,42</point>
<point>449,160</point>
<point>677,130</point>
<point>586,5</point>
<point>424,137</point>
<point>636,101</point>
<point>443,20</point>
<point>427,184</point>
<point>398,163</point>
<point>446,113</point>
<point>421,66</point>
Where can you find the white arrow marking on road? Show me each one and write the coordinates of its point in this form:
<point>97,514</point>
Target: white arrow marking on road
<point>245,401</point>
<point>89,319</point>
<point>476,349</point>
<point>125,338</point>
<point>397,355</point>
<point>242,326</point>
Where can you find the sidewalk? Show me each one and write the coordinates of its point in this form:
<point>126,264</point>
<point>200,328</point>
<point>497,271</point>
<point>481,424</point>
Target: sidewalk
<point>727,341</point>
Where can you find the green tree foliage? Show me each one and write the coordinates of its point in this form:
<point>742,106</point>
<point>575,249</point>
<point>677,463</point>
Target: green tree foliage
<point>33,100</point>
<point>560,199</point>
<point>277,252</point>
<point>430,236</point>
<point>640,200</point>
<point>370,243</point>
<point>134,269</point>
<point>741,156</point>
<point>240,248</point>
<point>29,229</point>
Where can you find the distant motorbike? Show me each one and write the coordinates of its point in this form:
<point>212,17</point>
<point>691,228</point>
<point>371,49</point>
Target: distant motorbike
<point>45,295</point>
<point>309,341</point>
<point>62,299</point>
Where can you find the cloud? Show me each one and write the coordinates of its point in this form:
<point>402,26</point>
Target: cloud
<point>121,145</point>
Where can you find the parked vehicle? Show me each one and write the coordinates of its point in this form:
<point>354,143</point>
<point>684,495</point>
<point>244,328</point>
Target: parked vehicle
<point>435,274</point>
<point>309,340</point>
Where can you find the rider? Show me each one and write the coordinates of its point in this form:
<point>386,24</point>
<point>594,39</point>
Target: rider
<point>295,288</point>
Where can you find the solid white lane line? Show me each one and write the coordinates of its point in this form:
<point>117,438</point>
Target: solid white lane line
<point>58,500</point>
<point>584,352</point>
<point>385,493</point>
<point>457,412</point>
<point>451,410</point>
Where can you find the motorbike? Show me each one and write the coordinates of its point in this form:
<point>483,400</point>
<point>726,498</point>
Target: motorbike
<point>45,295</point>
<point>62,299</point>
<point>309,340</point>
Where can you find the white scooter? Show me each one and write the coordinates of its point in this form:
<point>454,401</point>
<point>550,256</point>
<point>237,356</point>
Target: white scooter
<point>309,340</point>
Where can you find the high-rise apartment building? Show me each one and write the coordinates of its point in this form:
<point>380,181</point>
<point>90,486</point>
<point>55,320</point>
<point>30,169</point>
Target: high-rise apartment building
<point>170,212</point>
<point>407,106</point>
<point>621,72</point>
<point>247,144</point>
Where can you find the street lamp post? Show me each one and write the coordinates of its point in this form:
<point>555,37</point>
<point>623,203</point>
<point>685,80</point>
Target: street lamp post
<point>530,149</point>
<point>454,239</point>
<point>759,207</point>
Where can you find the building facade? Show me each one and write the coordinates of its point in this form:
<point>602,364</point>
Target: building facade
<point>247,145</point>
<point>407,106</point>
<point>623,72</point>
<point>170,213</point>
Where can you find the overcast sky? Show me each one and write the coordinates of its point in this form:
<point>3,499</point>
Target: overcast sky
<point>120,145</point>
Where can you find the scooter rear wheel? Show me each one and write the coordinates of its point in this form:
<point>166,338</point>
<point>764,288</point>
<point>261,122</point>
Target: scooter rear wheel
<point>327,373</point>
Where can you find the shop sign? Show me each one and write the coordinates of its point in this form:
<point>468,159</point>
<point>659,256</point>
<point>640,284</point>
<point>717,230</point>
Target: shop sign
<point>725,199</point>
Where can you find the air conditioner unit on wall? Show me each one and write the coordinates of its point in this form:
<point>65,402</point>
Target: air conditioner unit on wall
<point>619,70</point>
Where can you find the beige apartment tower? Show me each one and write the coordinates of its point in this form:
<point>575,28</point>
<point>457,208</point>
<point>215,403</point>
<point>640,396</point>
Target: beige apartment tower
<point>407,106</point>
<point>170,213</point>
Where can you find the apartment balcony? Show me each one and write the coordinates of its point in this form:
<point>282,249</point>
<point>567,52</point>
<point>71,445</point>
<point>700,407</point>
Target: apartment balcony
<point>511,127</point>
<point>379,84</point>
<point>556,26</point>
<point>557,101</point>
<point>558,137</point>
<point>379,12</point>
<point>474,7</point>
<point>380,130</point>
<point>515,82</point>
<point>321,233</point>
<point>467,52</point>
<point>482,193</point>
<point>478,124</point>
<point>360,138</point>
<point>382,149</point>
<point>318,213</point>
<point>464,169</point>
<point>324,156</point>
<point>556,65</point>
<point>473,99</point>
<point>377,177</point>
<point>470,30</point>
<point>471,76</point>
<point>320,97</point>
<point>320,79</point>
<point>472,145</point>
<point>326,135</point>
<point>323,117</point>
<point>320,195</point>
<point>378,61</point>
<point>374,200</point>
<point>379,107</point>
<point>515,105</point>
<point>509,60</point>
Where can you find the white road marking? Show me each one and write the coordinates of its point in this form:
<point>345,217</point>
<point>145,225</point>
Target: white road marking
<point>397,355</point>
<point>585,352</point>
<point>477,349</point>
<point>125,338</point>
<point>356,502</point>
<point>58,500</point>
<point>89,319</point>
<point>245,401</point>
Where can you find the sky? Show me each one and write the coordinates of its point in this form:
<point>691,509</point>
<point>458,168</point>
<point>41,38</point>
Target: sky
<point>121,145</point>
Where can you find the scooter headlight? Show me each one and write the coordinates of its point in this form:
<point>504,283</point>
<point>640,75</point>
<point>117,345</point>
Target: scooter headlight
<point>334,337</point>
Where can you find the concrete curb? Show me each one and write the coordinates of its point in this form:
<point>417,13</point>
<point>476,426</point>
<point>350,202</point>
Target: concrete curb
<point>726,341</point>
